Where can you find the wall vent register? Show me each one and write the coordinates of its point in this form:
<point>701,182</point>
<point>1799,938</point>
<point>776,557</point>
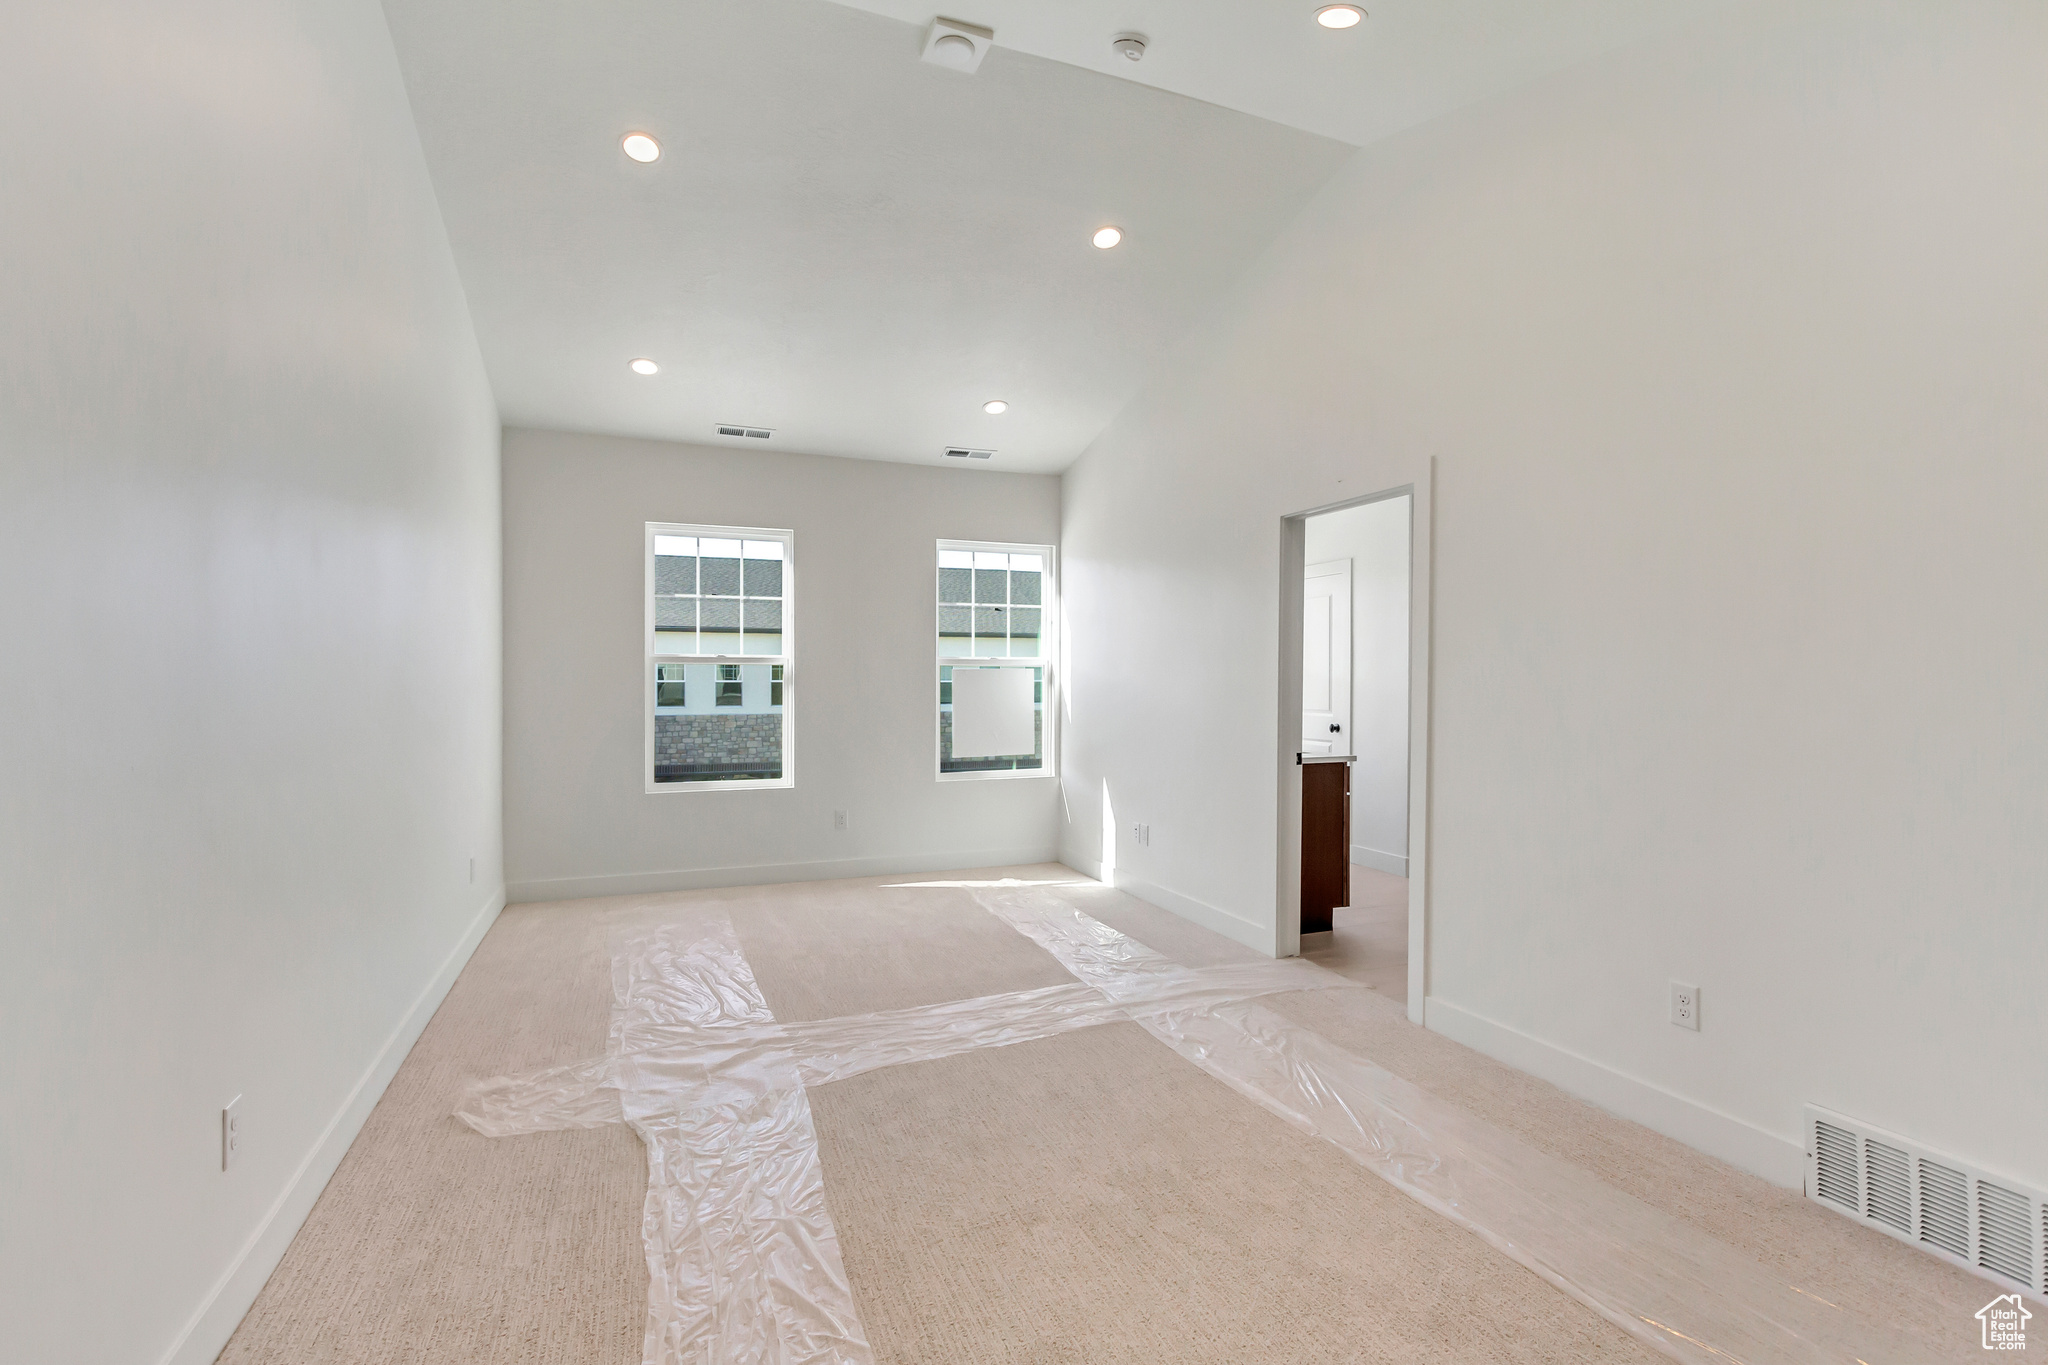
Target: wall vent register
<point>1943,1205</point>
<point>758,433</point>
<point>963,453</point>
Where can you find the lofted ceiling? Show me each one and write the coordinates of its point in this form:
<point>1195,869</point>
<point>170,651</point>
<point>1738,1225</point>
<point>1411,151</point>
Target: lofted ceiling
<point>856,248</point>
<point>1409,62</point>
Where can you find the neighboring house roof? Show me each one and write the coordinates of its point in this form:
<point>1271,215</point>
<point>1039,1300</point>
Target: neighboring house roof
<point>703,593</point>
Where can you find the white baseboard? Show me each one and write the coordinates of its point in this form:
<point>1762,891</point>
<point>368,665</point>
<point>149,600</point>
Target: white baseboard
<point>768,874</point>
<point>1258,937</point>
<point>1778,1159</point>
<point>1087,867</point>
<point>224,1306</point>
<point>1396,863</point>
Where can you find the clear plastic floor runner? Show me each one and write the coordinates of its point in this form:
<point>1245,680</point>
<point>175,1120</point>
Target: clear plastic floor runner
<point>1658,1278</point>
<point>743,1261</point>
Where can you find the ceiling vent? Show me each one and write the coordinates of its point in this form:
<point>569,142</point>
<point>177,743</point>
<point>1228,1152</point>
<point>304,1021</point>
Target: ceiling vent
<point>963,453</point>
<point>1994,1226</point>
<point>957,46</point>
<point>758,433</point>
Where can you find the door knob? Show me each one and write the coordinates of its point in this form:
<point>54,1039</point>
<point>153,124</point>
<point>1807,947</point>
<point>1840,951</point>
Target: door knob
<point>1334,727</point>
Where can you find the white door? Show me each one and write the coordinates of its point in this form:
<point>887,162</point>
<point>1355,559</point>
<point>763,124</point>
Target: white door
<point>1326,658</point>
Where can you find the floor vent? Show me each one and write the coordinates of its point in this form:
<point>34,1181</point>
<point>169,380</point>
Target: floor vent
<point>1994,1226</point>
<point>758,433</point>
<point>963,453</point>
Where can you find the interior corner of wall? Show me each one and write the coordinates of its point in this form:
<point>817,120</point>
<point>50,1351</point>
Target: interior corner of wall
<point>1081,863</point>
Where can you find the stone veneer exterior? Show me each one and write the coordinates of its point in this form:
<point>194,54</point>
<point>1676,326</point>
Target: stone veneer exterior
<point>748,745</point>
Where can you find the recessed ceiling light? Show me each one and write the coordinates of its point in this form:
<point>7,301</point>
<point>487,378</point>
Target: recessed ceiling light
<point>995,406</point>
<point>1107,237</point>
<point>642,366</point>
<point>641,147</point>
<point>1340,16</point>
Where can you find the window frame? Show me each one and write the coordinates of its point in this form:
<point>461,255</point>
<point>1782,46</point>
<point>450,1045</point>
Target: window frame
<point>1048,659</point>
<point>652,659</point>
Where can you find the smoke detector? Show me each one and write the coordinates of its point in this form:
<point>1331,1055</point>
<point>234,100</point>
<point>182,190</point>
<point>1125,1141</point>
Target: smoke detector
<point>1130,46</point>
<point>957,46</point>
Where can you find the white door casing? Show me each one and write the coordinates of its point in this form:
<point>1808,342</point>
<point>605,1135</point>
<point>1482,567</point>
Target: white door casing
<point>1326,658</point>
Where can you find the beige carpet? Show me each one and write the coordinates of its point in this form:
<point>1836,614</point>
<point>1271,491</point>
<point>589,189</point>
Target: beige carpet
<point>820,953</point>
<point>1088,1197</point>
<point>1094,1198</point>
<point>434,1244</point>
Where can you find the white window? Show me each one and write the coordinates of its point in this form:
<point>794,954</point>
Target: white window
<point>718,655</point>
<point>996,664</point>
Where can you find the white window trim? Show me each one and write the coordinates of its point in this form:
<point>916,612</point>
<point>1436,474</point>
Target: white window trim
<point>1048,659</point>
<point>653,660</point>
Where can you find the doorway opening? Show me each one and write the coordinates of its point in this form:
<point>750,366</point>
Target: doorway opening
<point>1353,758</point>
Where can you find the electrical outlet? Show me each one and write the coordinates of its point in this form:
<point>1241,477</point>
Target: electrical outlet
<point>1685,1005</point>
<point>839,819</point>
<point>231,1133</point>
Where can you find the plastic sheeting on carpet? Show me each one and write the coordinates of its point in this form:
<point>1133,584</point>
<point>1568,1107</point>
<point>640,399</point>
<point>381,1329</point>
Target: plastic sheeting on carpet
<point>743,1261</point>
<point>1663,1281</point>
<point>673,1061</point>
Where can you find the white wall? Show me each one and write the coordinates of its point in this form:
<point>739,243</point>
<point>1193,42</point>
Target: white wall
<point>1374,537</point>
<point>249,693</point>
<point>864,675</point>
<point>1729,349</point>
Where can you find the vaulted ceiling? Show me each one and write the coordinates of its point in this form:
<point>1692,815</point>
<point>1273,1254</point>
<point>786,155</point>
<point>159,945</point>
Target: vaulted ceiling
<point>856,248</point>
<point>1409,62</point>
